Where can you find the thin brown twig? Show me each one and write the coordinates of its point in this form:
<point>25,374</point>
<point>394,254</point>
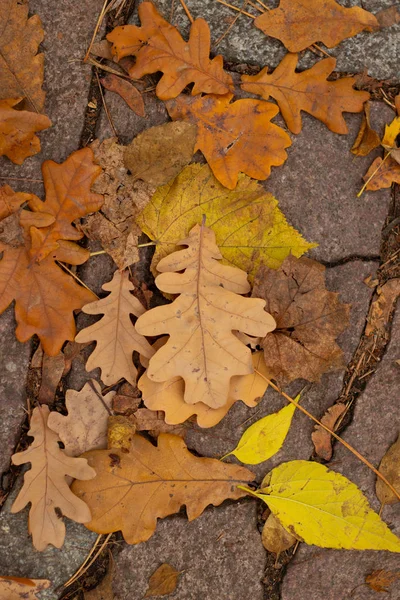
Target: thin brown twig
<point>96,29</point>
<point>237,9</point>
<point>99,65</point>
<point>219,40</point>
<point>105,104</point>
<point>185,8</point>
<point>89,564</point>
<point>256,7</point>
<point>63,266</point>
<point>21,179</point>
<point>76,574</point>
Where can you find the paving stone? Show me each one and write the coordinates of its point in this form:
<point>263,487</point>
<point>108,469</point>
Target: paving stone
<point>377,52</point>
<point>317,574</point>
<point>14,361</point>
<point>220,554</point>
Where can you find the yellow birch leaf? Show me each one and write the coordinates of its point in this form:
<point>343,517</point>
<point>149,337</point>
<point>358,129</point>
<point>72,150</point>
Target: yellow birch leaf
<point>324,508</point>
<point>265,437</point>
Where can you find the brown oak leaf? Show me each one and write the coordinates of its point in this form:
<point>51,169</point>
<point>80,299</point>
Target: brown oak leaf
<point>300,23</point>
<point>20,588</point>
<point>308,320</point>
<point>234,137</point>
<point>158,46</point>
<point>309,91</point>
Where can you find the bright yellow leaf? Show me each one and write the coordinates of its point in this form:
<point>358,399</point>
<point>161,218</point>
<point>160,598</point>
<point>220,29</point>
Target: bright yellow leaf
<point>265,437</point>
<point>391,133</point>
<point>249,227</point>
<point>324,508</point>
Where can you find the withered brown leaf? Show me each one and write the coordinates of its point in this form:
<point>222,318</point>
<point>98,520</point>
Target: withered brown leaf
<point>163,581</point>
<point>367,138</point>
<point>381,579</point>
<point>126,90</point>
<point>321,438</point>
<point>390,468</point>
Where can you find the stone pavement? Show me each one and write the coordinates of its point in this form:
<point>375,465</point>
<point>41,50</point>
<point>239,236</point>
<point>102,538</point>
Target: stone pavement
<point>221,552</point>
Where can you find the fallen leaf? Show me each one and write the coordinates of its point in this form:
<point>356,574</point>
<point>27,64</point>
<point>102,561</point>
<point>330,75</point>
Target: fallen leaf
<point>202,348</point>
<point>153,422</point>
<point>382,308</point>
<point>323,508</point>
<point>308,320</point>
<point>264,438</point>
<point>163,581</point>
<point>390,468</point>
<point>19,588</point>
<point>308,91</point>
<point>11,201</point>
<point>126,90</point>
<point>388,16</point>
<point>249,227</point>
<point>103,49</point>
<point>52,371</point>
<point>45,485</point>
<point>367,138</point>
<point>160,153</point>
<point>21,68</point>
<point>17,130</point>
<point>115,335</point>
<point>391,138</point>
<point>275,538</point>
<point>300,23</point>
<point>85,426</point>
<point>158,46</point>
<point>321,438</point>
<point>135,489</point>
<point>168,396</point>
<point>382,173</point>
<point>397,104</point>
<point>234,137</point>
<point>127,399</point>
<point>381,579</point>
<point>104,591</point>
<point>121,431</point>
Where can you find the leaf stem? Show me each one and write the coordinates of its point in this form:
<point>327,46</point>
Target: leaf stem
<point>333,434</point>
<point>147,244</point>
<point>97,253</point>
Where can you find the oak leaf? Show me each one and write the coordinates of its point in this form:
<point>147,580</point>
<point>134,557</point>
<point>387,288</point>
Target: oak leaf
<point>163,581</point>
<point>367,138</point>
<point>202,348</point>
<point>381,579</point>
<point>234,137</point>
<point>321,438</point>
<point>21,68</point>
<point>126,90</point>
<point>158,46</point>
<point>132,490</point>
<point>45,485</point>
<point>85,426</point>
<point>308,91</point>
<point>382,173</point>
<point>11,201</point>
<point>390,468</point>
<point>20,588</point>
<point>274,537</point>
<point>300,23</point>
<point>115,335</point>
<point>308,320</point>
<point>17,130</point>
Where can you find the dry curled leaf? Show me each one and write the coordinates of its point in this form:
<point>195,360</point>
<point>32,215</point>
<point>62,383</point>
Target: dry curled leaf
<point>390,468</point>
<point>248,225</point>
<point>321,438</point>
<point>202,348</point>
<point>308,320</point>
<point>127,399</point>
<point>160,153</point>
<point>45,485</point>
<point>308,91</point>
<point>382,308</point>
<point>115,335</point>
<point>234,137</point>
<point>17,130</point>
<point>382,173</point>
<point>126,90</point>
<point>52,371</point>
<point>85,426</point>
<point>381,580</point>
<point>132,490</point>
<point>275,538</point>
<point>19,588</point>
<point>367,138</point>
<point>158,46</point>
<point>163,581</point>
<point>300,23</point>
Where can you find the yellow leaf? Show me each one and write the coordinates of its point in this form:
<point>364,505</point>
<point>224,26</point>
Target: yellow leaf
<point>248,225</point>
<point>324,508</point>
<point>265,437</point>
<point>391,133</point>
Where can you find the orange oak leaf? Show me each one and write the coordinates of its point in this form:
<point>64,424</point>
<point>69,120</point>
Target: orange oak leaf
<point>158,46</point>
<point>309,91</point>
<point>45,485</point>
<point>133,489</point>
<point>300,23</point>
<point>17,131</point>
<point>20,588</point>
<point>234,137</point>
<point>382,173</point>
<point>10,201</point>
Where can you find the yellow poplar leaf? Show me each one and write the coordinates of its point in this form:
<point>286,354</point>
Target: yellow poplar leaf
<point>248,225</point>
<point>265,437</point>
<point>391,133</point>
<point>324,508</point>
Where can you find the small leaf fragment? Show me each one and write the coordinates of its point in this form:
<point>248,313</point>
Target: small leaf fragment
<point>381,579</point>
<point>367,138</point>
<point>321,438</point>
<point>126,90</point>
<point>11,201</point>
<point>163,581</point>
<point>20,588</point>
<point>274,537</point>
<point>390,468</point>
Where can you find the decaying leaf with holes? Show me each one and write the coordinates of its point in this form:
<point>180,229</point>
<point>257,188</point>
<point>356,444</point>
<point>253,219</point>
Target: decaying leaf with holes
<point>45,485</point>
<point>20,588</point>
<point>308,91</point>
<point>390,468</point>
<point>300,23</point>
<point>115,335</point>
<point>202,348</point>
<point>158,46</point>
<point>133,489</point>
<point>308,320</point>
<point>274,537</point>
<point>248,225</point>
<point>321,438</point>
<point>323,508</point>
<point>85,426</point>
<point>234,137</point>
<point>17,131</point>
<point>367,138</point>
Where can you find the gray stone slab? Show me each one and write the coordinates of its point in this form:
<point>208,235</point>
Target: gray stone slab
<point>220,553</point>
<point>377,52</point>
<point>315,573</point>
<point>14,361</point>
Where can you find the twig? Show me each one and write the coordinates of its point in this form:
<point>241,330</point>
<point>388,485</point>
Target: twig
<point>21,179</point>
<point>337,437</point>
<point>94,62</point>
<point>372,175</point>
<point>256,7</point>
<point>76,574</point>
<point>84,568</point>
<point>105,104</point>
<point>185,8</point>
<point>237,9</point>
<point>97,253</point>
<point>75,277</point>
<point>241,12</point>
<point>96,29</point>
